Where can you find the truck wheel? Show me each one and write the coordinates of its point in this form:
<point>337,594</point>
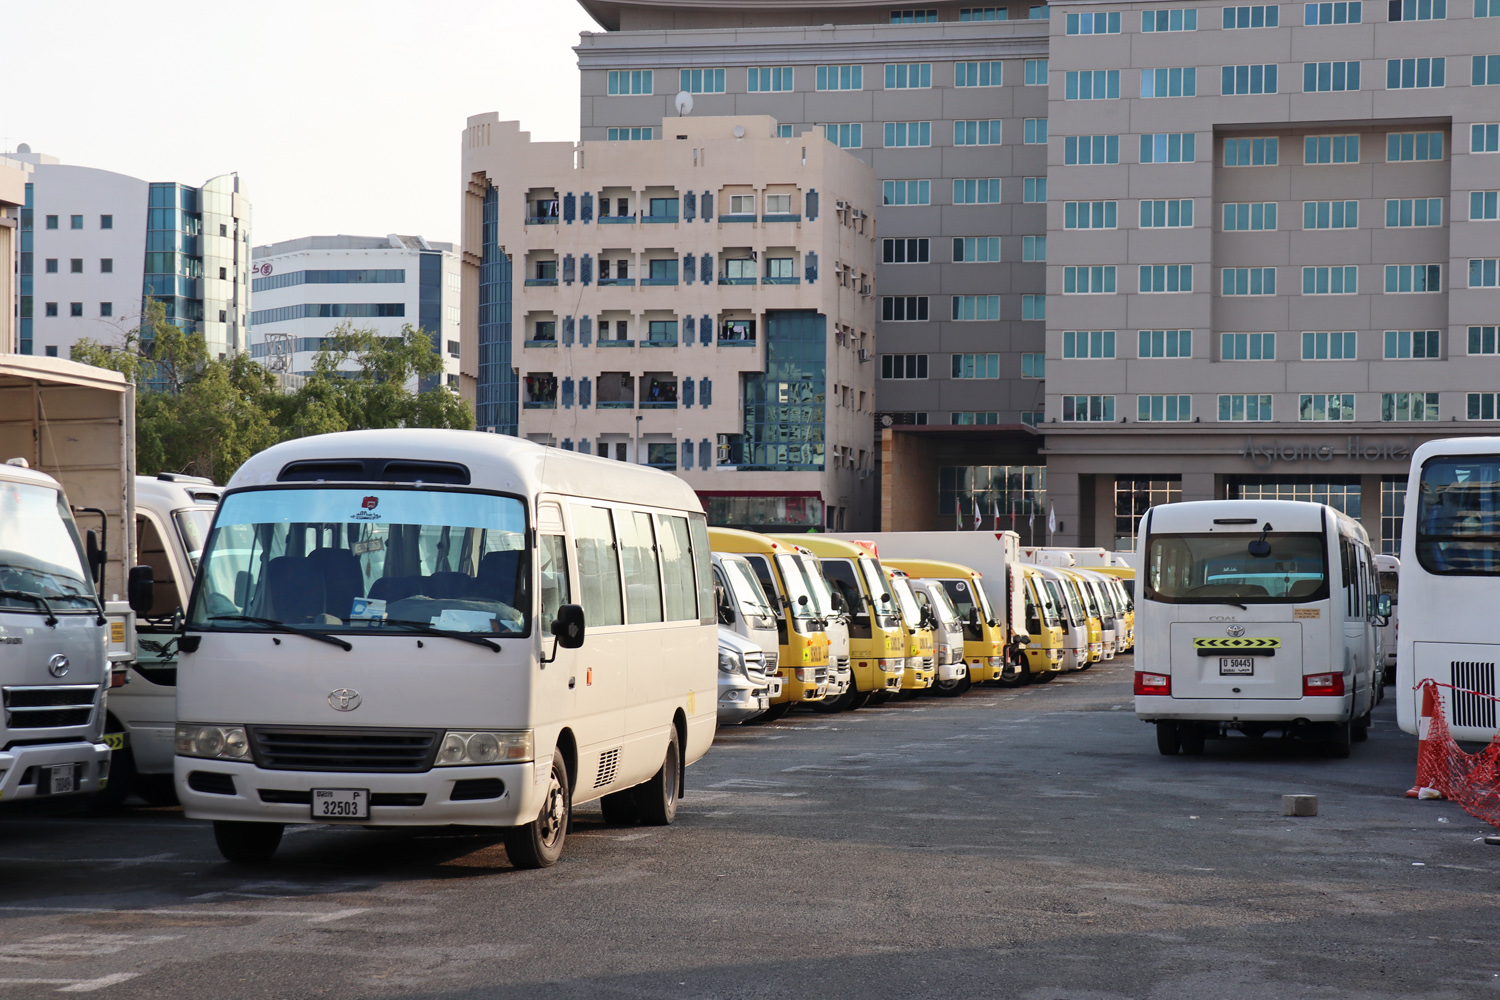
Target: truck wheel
<point>121,778</point>
<point>539,844</point>
<point>657,798</point>
<point>247,843</point>
<point>1012,674</point>
<point>1167,739</point>
<point>950,689</point>
<point>843,702</point>
<point>1337,745</point>
<point>1191,738</point>
<point>1044,677</point>
<point>620,808</point>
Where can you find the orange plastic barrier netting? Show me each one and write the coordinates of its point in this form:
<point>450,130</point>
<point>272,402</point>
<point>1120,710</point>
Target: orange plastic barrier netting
<point>1471,780</point>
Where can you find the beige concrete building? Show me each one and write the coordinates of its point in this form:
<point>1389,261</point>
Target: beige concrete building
<point>703,304</point>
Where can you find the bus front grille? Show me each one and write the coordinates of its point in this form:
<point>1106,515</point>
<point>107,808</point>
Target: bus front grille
<point>773,659</point>
<point>1471,680</point>
<point>306,748</point>
<point>49,706</point>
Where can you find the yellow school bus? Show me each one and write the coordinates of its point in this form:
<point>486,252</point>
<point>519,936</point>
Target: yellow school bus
<point>985,637</point>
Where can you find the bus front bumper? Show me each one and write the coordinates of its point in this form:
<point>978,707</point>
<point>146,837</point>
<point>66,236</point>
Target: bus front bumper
<point>1231,711</point>
<point>424,799</point>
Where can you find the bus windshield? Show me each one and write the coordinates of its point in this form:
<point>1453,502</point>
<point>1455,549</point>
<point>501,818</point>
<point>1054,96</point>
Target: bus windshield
<point>946,611</point>
<point>1063,597</point>
<point>967,595</point>
<point>906,601</point>
<point>1045,600</point>
<point>193,524</point>
<point>817,586</point>
<point>379,560</point>
<point>1458,515</point>
<point>797,588</point>
<point>1086,598</point>
<point>1218,567</point>
<point>1390,582</point>
<point>747,590</point>
<point>874,575</point>
<point>40,557</point>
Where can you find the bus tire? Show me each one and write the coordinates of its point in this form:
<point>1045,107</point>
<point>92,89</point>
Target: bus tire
<point>121,782</point>
<point>843,702</point>
<point>1044,677</point>
<point>1013,674</point>
<point>1337,745</point>
<point>951,689</point>
<point>1168,741</point>
<point>657,798</point>
<point>247,843</point>
<point>539,844</point>
<point>1359,731</point>
<point>774,713</point>
<point>1191,738</point>
<point>621,808</point>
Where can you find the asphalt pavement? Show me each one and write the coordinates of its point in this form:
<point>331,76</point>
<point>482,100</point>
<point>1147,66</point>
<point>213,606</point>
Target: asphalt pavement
<point>1025,843</point>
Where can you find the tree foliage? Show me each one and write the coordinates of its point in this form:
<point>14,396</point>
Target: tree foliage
<point>205,416</point>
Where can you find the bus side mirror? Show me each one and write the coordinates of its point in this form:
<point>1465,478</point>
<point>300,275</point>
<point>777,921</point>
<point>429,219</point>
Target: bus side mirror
<point>95,555</point>
<point>140,589</point>
<point>568,626</point>
<point>1383,605</point>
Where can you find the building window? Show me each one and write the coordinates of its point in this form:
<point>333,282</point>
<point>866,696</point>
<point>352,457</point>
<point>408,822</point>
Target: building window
<point>50,267</point>
<point>1486,71</point>
<point>1250,216</point>
<point>1035,132</point>
<point>1156,409</point>
<point>51,350</point>
<point>1168,147</point>
<point>106,265</point>
<point>1033,365</point>
<point>914,17</point>
<point>1088,409</point>
<point>106,222</point>
<point>1342,493</point>
<point>1248,281</point>
<point>1330,280</point>
<point>1094,24</point>
<point>1033,189</point>
<point>1316,14</point>
<point>75,222</point>
<point>1133,497</point>
<point>1418,10</point>
<point>1329,77</point>
<point>1247,347</point>
<point>1412,74</point>
<point>769,79</point>
<point>1326,406</point>
<point>1413,146</point>
<point>984,14</point>
<point>1033,418</point>
<point>75,265</point>
<point>1417,277</point>
<point>1166,278</point>
<point>908,418</point>
<point>1174,214</point>
<point>783,131</point>
<point>702,81</point>
<point>1408,406</point>
<point>1176,19</point>
<point>1481,340</point>
<point>75,308</point>
<point>970,419</point>
<point>1402,345</point>
<point>908,76</point>
<point>1097,280</point>
<point>904,251</point>
<point>1092,344</point>
<point>1482,273</point>
<point>903,366</point>
<point>453,348</point>
<point>630,134</point>
<point>841,77</point>
<point>1328,346</point>
<point>1330,215</point>
<point>1484,138</point>
<point>1487,8</point>
<point>1175,81</point>
<point>976,249</point>
<point>902,134</point>
<point>1403,212</point>
<point>849,135</point>
<point>1254,79</point>
<point>1484,206</point>
<point>1043,13</point>
<point>1392,513</point>
<point>1013,496</point>
<point>51,309</point>
<point>1236,407</point>
<point>1252,17</point>
<point>1165,344</point>
<point>1481,405</point>
<point>1034,248</point>
<point>1251,152</point>
<point>106,309</point>
<point>1091,150</point>
<point>1036,71</point>
<point>977,74</point>
<point>976,191</point>
<point>1092,85</point>
<point>903,308</point>
<point>975,133</point>
<point>976,366</point>
<point>625,81</point>
<point>51,222</point>
<point>897,193</point>
<point>1091,214</point>
<point>968,308</point>
<point>1033,307</point>
<point>1322,149</point>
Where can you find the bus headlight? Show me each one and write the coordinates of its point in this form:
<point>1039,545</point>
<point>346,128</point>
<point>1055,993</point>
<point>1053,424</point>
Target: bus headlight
<point>460,748</point>
<point>730,661</point>
<point>212,742</point>
<point>892,666</point>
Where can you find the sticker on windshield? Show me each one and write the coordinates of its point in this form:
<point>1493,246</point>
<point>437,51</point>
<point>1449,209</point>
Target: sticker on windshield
<point>367,510</point>
<point>960,586</point>
<point>1307,613</point>
<point>367,609</point>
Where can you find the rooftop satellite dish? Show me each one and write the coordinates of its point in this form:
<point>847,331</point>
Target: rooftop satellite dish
<point>739,131</point>
<point>684,104</point>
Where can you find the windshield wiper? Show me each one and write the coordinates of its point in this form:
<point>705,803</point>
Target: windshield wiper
<point>41,602</point>
<point>332,640</point>
<point>1233,604</point>
<point>423,627</point>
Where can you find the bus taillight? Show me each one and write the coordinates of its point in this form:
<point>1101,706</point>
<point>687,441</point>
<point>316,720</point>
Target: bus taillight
<point>1152,683</point>
<point>1322,684</point>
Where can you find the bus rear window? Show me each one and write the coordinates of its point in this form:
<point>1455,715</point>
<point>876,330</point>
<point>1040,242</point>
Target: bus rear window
<point>1218,567</point>
<point>1458,515</point>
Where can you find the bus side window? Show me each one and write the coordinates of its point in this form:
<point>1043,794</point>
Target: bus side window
<point>642,577</point>
<point>598,566</point>
<point>1033,617</point>
<point>677,568</point>
<point>555,585</point>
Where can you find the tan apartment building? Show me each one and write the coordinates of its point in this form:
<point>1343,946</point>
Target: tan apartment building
<point>704,304</point>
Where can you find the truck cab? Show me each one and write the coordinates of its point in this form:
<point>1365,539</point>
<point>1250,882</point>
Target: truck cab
<point>947,637</point>
<point>876,638</point>
<point>985,637</point>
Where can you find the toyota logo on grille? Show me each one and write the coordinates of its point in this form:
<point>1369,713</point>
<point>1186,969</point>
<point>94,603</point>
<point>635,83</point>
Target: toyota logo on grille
<point>1235,631</point>
<point>344,700</point>
<point>58,665</point>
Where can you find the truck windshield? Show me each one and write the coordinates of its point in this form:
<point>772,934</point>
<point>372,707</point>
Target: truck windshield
<point>946,611</point>
<point>817,585</point>
<point>382,560</point>
<point>967,595</point>
<point>1068,600</point>
<point>1458,515</point>
<point>39,552</point>
<point>797,587</point>
<point>193,524</point>
<point>1047,600</point>
<point>1390,583</point>
<point>906,601</point>
<point>1213,568</point>
<point>874,574</point>
<point>747,590</point>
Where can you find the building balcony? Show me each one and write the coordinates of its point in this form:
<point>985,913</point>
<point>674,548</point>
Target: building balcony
<point>617,281</point>
<point>736,342</point>
<point>738,281</point>
<point>616,404</point>
<point>781,218</point>
<point>660,342</point>
<point>541,282</point>
<point>541,220</point>
<point>616,220</point>
<point>659,218</point>
<point>746,217</point>
<point>547,342</point>
<point>546,404</point>
<point>660,405</point>
<point>658,281</point>
<point>616,343</point>
<point>781,281</point>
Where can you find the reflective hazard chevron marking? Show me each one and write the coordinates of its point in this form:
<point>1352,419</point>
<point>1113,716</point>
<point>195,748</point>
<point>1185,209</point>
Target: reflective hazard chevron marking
<point>1245,642</point>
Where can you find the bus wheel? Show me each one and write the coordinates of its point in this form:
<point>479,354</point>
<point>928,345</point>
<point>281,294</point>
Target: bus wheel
<point>1167,739</point>
<point>773,713</point>
<point>1191,738</point>
<point>539,844</point>
<point>121,779</point>
<point>861,698</point>
<point>1044,677</point>
<point>657,798</point>
<point>1359,731</point>
<point>247,843</point>
<point>1337,744</point>
<point>621,808</point>
<point>843,702</point>
<point>1012,674</point>
<point>879,697</point>
<point>950,689</point>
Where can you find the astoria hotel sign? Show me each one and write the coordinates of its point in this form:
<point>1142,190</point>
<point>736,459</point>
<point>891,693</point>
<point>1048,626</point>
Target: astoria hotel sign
<point>1354,448</point>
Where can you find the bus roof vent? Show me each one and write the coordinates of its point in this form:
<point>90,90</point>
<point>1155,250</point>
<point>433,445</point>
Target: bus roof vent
<point>375,470</point>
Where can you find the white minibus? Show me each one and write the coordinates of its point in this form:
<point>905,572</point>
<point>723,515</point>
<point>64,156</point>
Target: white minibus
<point>1450,578</point>
<point>1255,615</point>
<point>1388,570</point>
<point>433,627</point>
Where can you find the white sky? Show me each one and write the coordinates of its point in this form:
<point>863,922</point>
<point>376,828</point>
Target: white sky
<point>340,116</point>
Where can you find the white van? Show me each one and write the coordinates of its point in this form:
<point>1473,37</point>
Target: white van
<point>1388,569</point>
<point>743,608</point>
<point>432,627</point>
<point>1255,615</point>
